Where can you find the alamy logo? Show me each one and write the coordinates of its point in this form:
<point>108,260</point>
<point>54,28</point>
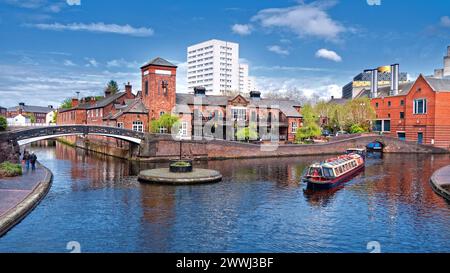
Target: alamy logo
<point>74,247</point>
<point>374,247</point>
<point>374,2</point>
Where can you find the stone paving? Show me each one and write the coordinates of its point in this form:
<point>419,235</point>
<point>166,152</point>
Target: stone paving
<point>164,176</point>
<point>15,189</point>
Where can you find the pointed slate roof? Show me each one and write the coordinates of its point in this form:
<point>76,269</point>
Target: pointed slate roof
<point>131,106</point>
<point>160,62</point>
<point>285,106</point>
<point>439,84</point>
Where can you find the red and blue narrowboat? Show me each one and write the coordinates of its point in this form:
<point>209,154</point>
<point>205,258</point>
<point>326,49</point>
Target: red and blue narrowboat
<point>333,172</point>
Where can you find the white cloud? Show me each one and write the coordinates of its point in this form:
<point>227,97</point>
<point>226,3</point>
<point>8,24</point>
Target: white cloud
<point>68,63</point>
<point>42,85</point>
<point>55,8</point>
<point>91,62</point>
<point>278,50</point>
<point>303,89</point>
<point>284,69</point>
<point>328,54</point>
<point>122,63</point>
<point>73,2</point>
<point>97,27</point>
<point>304,20</point>
<point>182,86</point>
<point>445,21</point>
<point>28,4</point>
<point>242,29</point>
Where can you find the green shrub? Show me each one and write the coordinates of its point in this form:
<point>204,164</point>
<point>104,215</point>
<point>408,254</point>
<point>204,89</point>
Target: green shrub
<point>357,129</point>
<point>8,169</point>
<point>181,164</point>
<point>3,123</point>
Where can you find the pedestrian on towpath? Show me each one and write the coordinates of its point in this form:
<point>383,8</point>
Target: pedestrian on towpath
<point>26,159</point>
<point>33,159</point>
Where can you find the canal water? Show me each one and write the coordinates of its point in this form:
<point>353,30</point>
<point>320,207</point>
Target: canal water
<point>260,206</point>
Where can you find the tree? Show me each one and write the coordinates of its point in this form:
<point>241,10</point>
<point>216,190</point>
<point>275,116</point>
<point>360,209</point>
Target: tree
<point>310,128</point>
<point>360,112</point>
<point>357,129</point>
<point>247,134</point>
<point>66,104</point>
<point>168,121</point>
<point>112,87</point>
<point>31,117</point>
<point>338,118</point>
<point>3,123</point>
<point>55,117</point>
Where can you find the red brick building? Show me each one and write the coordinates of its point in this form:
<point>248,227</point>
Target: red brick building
<point>97,112</point>
<point>418,112</point>
<point>200,115</point>
<point>39,112</point>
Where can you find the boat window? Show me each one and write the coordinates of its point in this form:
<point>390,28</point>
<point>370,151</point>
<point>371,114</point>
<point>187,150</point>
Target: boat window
<point>315,172</point>
<point>336,171</point>
<point>328,172</point>
<point>341,170</point>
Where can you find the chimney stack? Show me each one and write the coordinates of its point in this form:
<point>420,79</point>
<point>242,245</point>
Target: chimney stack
<point>394,79</point>
<point>128,88</point>
<point>74,102</point>
<point>93,101</point>
<point>374,84</point>
<point>255,95</point>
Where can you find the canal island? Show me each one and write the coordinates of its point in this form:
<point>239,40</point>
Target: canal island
<point>154,146</point>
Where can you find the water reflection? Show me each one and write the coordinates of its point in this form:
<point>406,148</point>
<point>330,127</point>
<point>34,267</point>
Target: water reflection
<point>260,206</point>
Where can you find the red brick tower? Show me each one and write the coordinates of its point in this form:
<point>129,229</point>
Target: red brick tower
<point>159,79</point>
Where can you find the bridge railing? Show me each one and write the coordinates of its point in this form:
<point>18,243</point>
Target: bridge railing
<point>74,130</point>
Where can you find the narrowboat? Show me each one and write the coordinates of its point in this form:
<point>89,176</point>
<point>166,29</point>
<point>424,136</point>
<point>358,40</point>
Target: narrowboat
<point>359,151</point>
<point>333,172</point>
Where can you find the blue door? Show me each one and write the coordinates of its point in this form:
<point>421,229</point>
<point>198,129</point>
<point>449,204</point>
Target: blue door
<point>420,138</point>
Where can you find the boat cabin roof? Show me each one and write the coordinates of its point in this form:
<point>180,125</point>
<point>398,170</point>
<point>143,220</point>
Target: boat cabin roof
<point>356,149</point>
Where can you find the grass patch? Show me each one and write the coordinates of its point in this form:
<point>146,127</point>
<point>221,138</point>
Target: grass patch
<point>181,164</point>
<point>8,169</point>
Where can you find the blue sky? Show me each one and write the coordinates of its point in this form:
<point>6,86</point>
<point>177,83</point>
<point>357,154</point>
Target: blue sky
<point>50,49</point>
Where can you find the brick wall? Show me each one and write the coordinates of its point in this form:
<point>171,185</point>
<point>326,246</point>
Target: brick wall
<point>158,89</point>
<point>434,125</point>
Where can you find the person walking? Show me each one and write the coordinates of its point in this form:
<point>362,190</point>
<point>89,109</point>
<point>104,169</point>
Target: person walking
<point>33,159</point>
<point>26,159</point>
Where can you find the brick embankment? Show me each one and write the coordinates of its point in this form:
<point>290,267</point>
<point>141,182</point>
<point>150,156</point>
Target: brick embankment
<point>440,182</point>
<point>20,195</point>
<point>163,148</point>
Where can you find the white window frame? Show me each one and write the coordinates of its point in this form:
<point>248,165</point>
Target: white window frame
<point>415,107</point>
<point>120,125</point>
<point>163,130</point>
<point>183,129</point>
<point>138,126</point>
<point>294,127</point>
<point>241,113</point>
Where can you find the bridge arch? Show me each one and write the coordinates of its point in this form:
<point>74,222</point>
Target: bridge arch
<point>27,136</point>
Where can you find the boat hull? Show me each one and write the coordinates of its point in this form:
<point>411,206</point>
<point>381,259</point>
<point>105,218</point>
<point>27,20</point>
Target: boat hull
<point>313,185</point>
